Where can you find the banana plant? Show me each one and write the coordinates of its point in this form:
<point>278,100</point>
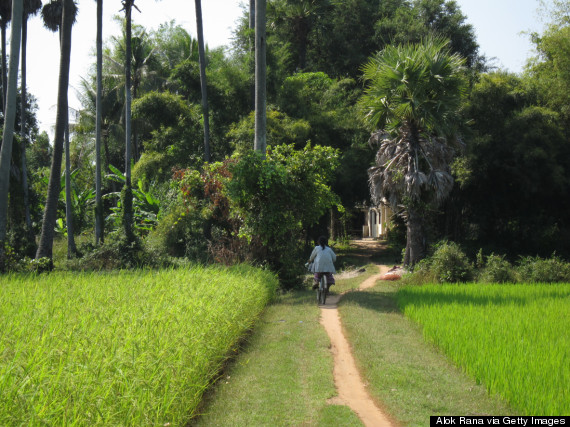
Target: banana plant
<point>146,207</point>
<point>81,203</point>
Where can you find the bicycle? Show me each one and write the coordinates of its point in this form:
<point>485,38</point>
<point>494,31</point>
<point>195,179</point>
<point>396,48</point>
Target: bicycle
<point>322,290</point>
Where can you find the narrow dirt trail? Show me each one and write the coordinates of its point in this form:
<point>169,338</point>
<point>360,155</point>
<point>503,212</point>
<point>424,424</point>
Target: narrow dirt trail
<point>350,387</point>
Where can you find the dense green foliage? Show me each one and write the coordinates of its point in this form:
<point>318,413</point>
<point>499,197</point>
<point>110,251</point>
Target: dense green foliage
<point>126,348</point>
<point>250,208</point>
<point>448,263</point>
<point>520,155</point>
<point>512,338</point>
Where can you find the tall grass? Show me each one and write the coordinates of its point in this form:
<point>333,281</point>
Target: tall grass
<point>126,348</point>
<point>513,338</point>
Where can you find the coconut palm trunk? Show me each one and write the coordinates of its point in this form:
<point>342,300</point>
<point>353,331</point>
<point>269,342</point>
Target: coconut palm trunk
<point>45,247</point>
<point>99,225</point>
<point>5,16</point>
<point>252,51</point>
<point>260,143</point>
<point>23,135</point>
<point>9,118</point>
<point>71,247</point>
<point>202,55</point>
<point>128,191</point>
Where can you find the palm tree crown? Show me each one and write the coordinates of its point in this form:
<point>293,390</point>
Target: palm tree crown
<point>418,85</point>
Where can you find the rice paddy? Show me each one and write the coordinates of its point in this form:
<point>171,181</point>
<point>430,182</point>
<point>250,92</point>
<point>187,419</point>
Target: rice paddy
<point>515,339</point>
<point>126,348</point>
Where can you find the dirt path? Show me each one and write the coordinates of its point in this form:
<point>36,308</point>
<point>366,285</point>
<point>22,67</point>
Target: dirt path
<point>350,387</point>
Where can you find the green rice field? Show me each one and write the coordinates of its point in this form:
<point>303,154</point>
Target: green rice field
<point>126,348</point>
<point>515,339</point>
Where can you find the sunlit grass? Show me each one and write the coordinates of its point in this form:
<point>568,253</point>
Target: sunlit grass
<point>126,348</point>
<point>284,374</point>
<point>515,339</point>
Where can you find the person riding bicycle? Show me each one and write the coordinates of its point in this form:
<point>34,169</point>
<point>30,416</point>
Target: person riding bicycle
<point>323,258</point>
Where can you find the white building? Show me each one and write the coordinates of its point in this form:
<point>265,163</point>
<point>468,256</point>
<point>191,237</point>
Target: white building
<point>376,221</point>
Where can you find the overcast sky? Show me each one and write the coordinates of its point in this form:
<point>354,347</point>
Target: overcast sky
<point>498,25</point>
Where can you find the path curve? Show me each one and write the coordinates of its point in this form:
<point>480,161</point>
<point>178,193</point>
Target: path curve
<point>350,387</point>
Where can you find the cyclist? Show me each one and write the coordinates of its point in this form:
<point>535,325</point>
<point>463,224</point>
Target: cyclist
<point>323,258</point>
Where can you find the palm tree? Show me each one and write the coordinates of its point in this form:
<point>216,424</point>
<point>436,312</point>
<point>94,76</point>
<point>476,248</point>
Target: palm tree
<point>260,143</point>
<point>50,15</point>
<point>297,19</point>
<point>203,81</point>
<point>143,73</point>
<point>31,7</point>
<point>412,100</point>
<point>10,116</point>
<point>5,16</point>
<point>252,51</point>
<point>99,224</point>
<point>128,191</point>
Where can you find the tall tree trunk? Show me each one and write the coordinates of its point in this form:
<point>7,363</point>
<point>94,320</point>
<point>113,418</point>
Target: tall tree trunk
<point>71,248</point>
<point>99,227</point>
<point>128,191</point>
<point>205,110</point>
<point>135,136</point>
<point>9,118</point>
<point>260,143</point>
<point>252,51</point>
<point>23,136</point>
<point>302,37</point>
<point>415,238</point>
<point>45,247</point>
<point>4,66</point>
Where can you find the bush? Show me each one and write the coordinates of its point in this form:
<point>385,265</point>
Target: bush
<point>497,269</point>
<point>118,253</point>
<point>422,274</point>
<point>450,264</point>
<point>180,234</point>
<point>278,197</point>
<point>539,270</point>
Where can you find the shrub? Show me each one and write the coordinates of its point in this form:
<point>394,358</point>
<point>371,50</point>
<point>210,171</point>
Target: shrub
<point>422,274</point>
<point>450,264</point>
<point>497,269</point>
<point>119,253</point>
<point>536,269</point>
<point>40,265</point>
<point>278,197</point>
<point>180,234</point>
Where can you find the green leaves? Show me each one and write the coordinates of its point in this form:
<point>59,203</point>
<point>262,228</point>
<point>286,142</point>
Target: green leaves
<point>146,206</point>
<point>414,83</point>
<point>284,193</point>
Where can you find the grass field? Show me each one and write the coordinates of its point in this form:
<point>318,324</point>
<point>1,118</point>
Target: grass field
<point>514,339</point>
<point>126,348</point>
<point>282,376</point>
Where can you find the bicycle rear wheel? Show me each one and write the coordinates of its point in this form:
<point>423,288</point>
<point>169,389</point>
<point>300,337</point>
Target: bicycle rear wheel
<point>323,288</point>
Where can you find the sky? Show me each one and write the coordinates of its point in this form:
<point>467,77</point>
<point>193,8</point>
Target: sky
<point>498,26</point>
